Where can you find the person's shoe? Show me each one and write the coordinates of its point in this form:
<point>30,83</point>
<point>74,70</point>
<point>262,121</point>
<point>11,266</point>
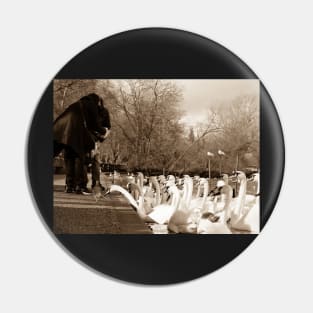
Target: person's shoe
<point>85,191</point>
<point>69,189</point>
<point>78,191</point>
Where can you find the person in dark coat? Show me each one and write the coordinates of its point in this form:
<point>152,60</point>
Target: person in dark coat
<point>95,153</point>
<point>75,131</point>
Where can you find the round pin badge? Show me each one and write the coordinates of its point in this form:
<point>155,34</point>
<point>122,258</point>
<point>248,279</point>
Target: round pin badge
<point>155,156</point>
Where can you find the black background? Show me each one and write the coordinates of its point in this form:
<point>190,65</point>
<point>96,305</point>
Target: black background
<point>154,53</point>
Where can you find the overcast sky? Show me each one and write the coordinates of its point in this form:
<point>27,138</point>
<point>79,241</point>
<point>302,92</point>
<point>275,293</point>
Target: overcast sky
<point>199,94</point>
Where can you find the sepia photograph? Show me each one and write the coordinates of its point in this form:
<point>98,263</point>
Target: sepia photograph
<point>156,156</point>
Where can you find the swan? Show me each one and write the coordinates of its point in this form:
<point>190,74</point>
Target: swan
<point>163,189</point>
<point>206,225</point>
<point>256,180</point>
<point>189,202</point>
<point>138,205</point>
<point>126,194</point>
<point>245,216</point>
<point>189,190</point>
<point>250,220</point>
<point>222,208</point>
<point>181,222</point>
<point>184,194</point>
<point>157,189</point>
<point>197,181</point>
<point>188,221</point>
<point>185,219</point>
<point>171,179</point>
<point>200,202</point>
<point>162,213</point>
<point>193,220</point>
<point>140,179</point>
<point>151,195</point>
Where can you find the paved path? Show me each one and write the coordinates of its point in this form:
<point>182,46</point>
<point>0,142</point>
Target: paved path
<point>80,214</point>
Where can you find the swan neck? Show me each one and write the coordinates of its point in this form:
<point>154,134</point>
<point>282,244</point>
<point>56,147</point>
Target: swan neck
<point>205,193</point>
<point>241,195</point>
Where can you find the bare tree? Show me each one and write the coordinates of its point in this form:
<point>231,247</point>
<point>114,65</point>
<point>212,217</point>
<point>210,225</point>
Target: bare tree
<point>239,124</point>
<point>147,114</point>
<point>203,131</point>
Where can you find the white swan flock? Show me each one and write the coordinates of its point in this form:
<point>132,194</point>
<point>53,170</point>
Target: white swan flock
<point>162,201</point>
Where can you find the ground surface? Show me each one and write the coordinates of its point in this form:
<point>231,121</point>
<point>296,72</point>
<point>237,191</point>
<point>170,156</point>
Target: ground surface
<point>81,214</point>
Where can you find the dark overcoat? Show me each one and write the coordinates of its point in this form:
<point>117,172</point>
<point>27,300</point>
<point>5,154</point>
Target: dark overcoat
<point>74,126</point>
